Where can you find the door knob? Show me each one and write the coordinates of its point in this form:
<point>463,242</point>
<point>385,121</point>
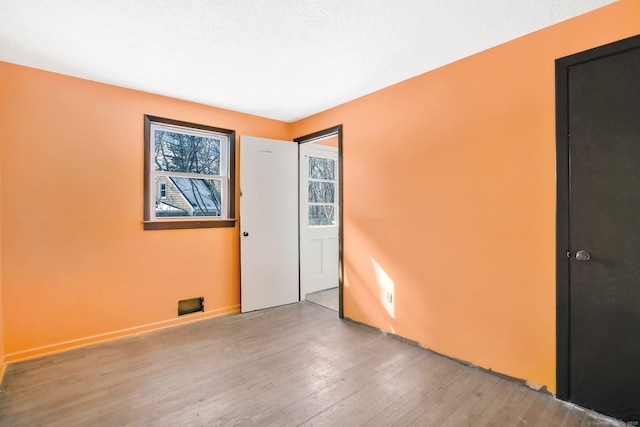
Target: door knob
<point>583,256</point>
<point>245,234</point>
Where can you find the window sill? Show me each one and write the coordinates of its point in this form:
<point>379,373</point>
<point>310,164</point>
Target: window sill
<point>182,224</point>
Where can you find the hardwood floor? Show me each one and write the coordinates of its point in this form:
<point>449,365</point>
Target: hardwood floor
<point>297,365</point>
<point>327,298</point>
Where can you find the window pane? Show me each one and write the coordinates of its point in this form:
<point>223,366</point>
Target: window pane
<point>320,168</point>
<point>188,197</point>
<point>179,152</point>
<point>321,215</point>
<point>321,192</point>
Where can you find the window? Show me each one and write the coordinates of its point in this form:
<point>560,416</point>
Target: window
<point>322,191</point>
<point>189,175</point>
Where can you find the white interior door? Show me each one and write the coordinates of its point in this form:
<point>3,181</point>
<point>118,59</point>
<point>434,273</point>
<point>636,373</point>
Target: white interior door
<point>268,223</point>
<point>318,218</point>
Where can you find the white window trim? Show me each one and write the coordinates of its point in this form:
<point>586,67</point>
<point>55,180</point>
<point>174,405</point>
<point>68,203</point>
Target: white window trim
<point>163,184</point>
<point>335,194</point>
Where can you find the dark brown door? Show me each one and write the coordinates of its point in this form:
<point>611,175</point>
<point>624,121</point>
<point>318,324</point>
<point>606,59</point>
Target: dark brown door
<point>603,252</point>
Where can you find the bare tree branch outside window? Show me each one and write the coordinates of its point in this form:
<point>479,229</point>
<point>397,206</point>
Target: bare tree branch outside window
<point>184,153</point>
<point>322,191</point>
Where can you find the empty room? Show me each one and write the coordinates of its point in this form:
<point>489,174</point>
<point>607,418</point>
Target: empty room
<point>328,212</point>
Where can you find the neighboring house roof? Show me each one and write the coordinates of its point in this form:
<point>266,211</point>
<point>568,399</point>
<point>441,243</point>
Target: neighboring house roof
<point>199,194</point>
<point>165,207</point>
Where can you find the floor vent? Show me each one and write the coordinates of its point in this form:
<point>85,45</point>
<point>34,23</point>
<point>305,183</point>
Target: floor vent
<point>191,305</point>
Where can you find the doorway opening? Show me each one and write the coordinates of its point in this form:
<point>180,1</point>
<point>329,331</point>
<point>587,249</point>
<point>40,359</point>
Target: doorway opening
<point>321,218</point>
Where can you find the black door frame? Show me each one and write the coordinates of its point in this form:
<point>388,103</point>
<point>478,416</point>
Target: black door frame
<point>563,203</point>
<point>325,133</point>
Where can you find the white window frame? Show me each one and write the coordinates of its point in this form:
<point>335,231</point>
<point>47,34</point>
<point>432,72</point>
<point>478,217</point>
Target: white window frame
<point>226,175</point>
<point>335,191</point>
<point>163,188</point>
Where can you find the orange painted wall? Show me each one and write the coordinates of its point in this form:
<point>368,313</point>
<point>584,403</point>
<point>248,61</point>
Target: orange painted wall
<point>76,262</point>
<point>449,199</point>
<point>2,126</point>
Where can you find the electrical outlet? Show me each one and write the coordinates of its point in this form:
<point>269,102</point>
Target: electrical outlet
<point>389,297</point>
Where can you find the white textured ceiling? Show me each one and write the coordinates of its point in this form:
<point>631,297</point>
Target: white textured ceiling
<point>282,59</point>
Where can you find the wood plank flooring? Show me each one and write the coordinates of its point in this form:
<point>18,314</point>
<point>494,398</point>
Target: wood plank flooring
<point>327,298</point>
<point>297,365</point>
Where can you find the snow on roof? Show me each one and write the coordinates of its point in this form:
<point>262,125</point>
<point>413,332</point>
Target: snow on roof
<point>199,194</point>
<point>164,207</point>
